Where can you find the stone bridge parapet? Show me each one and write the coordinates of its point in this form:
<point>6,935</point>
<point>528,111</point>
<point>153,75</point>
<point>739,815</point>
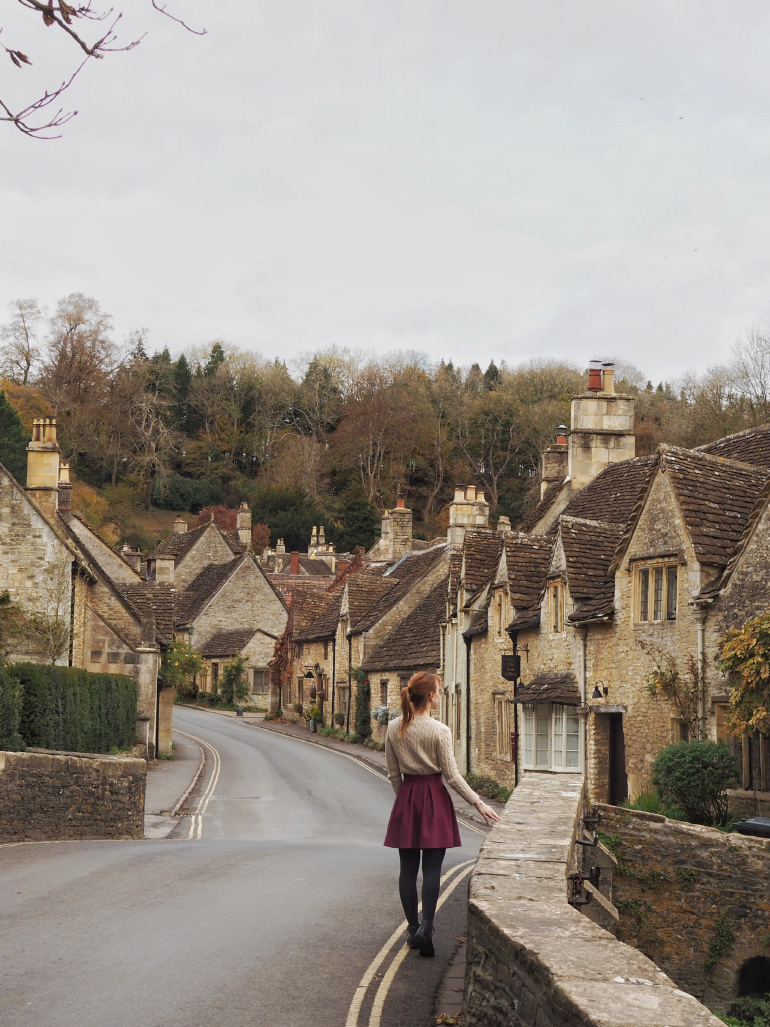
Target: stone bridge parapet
<point>534,960</point>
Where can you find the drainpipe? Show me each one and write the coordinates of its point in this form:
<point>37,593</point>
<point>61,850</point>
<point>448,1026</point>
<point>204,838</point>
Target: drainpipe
<point>514,636</point>
<point>334,674</point>
<point>700,624</point>
<point>582,634</point>
<point>350,680</point>
<point>467,705</point>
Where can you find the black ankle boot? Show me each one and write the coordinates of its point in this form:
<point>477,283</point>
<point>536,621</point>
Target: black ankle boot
<point>410,933</point>
<point>423,938</point>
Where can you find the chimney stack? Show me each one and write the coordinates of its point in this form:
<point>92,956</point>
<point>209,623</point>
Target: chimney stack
<point>400,540</point>
<point>164,569</point>
<point>504,525</point>
<point>294,569</point>
<point>602,426</point>
<point>65,489</point>
<point>132,557</point>
<point>468,509</point>
<point>43,462</point>
<point>180,526</point>
<point>243,524</point>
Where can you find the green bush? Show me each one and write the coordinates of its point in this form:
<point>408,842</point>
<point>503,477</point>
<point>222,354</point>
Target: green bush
<point>752,1010</point>
<point>233,685</point>
<point>488,787</point>
<point>10,713</point>
<point>694,777</point>
<point>74,710</point>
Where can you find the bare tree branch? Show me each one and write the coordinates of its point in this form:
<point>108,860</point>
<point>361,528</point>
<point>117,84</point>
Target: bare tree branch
<point>64,16</point>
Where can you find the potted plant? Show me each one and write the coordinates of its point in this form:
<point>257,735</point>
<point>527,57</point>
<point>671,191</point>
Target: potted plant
<point>339,719</point>
<point>313,718</point>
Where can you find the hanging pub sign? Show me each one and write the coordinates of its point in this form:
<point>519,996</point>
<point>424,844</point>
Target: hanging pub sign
<point>510,668</point>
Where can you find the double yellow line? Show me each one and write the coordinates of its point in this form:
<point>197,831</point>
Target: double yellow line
<point>196,819</point>
<point>459,873</point>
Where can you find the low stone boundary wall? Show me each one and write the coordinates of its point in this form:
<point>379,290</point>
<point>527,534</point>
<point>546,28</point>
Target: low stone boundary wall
<point>694,899</point>
<point>47,796</point>
<point>535,961</point>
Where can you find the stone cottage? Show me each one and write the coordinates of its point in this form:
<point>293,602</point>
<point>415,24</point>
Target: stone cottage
<point>101,615</point>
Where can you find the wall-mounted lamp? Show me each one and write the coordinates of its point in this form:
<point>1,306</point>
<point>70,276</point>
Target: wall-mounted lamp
<point>597,694</point>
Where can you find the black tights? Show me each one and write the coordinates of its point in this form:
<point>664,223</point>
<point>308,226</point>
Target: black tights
<point>431,882</point>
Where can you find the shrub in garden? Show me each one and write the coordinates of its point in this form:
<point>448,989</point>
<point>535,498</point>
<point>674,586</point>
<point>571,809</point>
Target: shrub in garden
<point>695,776</point>
<point>363,717</point>
<point>233,685</point>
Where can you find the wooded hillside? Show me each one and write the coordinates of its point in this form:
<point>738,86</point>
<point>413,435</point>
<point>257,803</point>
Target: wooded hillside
<point>331,438</point>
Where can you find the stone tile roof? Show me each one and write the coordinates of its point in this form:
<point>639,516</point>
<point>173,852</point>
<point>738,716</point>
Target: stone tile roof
<point>550,687</point>
<point>152,599</point>
<point>307,604</point>
<point>180,543</point>
<point>481,551</point>
<point>202,588</point>
<point>416,641</point>
<point>750,447</point>
<point>311,567</point>
<point>478,625</point>
<point>716,497</point>
<point>455,570</point>
<point>227,643</point>
<point>234,542</point>
<point>402,577</point>
<point>527,558</point>
<point>152,604</point>
<point>526,619</point>
<point>614,492</point>
<point>600,606</point>
<point>325,625</point>
<point>542,508</point>
<point>589,547</point>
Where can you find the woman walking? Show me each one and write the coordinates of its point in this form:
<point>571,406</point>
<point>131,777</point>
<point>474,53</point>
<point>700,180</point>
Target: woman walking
<point>418,749</point>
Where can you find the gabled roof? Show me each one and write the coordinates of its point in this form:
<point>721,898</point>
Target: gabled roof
<point>151,598</point>
<point>481,550</point>
<point>716,497</point>
<point>228,643</point>
<point>750,447</point>
<point>325,625</point>
<point>203,588</point>
<point>416,640</point>
<point>180,543</point>
<point>307,603</point>
<point>478,625</point>
<point>402,577</point>
<point>310,566</point>
<point>527,557</point>
<point>548,499</point>
<point>149,602</point>
<point>613,493</point>
<point>589,547</point>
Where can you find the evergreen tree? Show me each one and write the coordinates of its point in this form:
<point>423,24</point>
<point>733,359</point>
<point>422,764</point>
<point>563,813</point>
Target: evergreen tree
<point>358,520</point>
<point>182,380</point>
<point>13,441</point>
<point>216,359</point>
<point>491,377</point>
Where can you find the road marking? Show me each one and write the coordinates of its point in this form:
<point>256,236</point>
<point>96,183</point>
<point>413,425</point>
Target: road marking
<point>196,821</point>
<point>375,1017</point>
<point>363,986</point>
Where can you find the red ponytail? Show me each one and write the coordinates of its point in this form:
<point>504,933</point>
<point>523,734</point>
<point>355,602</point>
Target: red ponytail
<point>414,696</point>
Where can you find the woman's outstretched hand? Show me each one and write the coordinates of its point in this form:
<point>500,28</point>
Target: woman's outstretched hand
<point>487,812</point>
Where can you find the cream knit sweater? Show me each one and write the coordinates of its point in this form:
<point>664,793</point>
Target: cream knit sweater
<point>424,748</point>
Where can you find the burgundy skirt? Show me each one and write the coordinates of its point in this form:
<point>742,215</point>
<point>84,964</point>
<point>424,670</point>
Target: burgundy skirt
<point>423,815</point>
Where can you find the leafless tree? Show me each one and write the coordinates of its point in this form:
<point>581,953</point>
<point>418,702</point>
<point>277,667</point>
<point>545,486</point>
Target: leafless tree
<point>20,350</point>
<point>751,373</point>
<point>42,117</point>
<point>47,629</point>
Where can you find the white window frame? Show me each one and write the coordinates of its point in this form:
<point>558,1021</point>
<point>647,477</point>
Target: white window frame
<point>646,609</point>
<point>547,739</point>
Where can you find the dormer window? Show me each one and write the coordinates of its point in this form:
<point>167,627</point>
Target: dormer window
<point>556,607</point>
<point>657,589</point>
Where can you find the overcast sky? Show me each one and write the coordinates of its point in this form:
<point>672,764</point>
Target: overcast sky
<point>489,180</point>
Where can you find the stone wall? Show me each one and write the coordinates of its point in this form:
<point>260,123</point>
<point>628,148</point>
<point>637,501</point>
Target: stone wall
<point>535,961</point>
<point>209,548</point>
<point>680,888</point>
<point>48,796</point>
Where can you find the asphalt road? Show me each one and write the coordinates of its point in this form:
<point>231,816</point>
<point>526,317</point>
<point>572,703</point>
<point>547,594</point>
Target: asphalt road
<point>273,905</point>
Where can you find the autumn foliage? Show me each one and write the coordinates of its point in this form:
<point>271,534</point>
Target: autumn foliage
<point>744,655</point>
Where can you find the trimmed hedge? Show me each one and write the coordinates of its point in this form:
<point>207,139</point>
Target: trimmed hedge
<point>10,713</point>
<point>74,710</point>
